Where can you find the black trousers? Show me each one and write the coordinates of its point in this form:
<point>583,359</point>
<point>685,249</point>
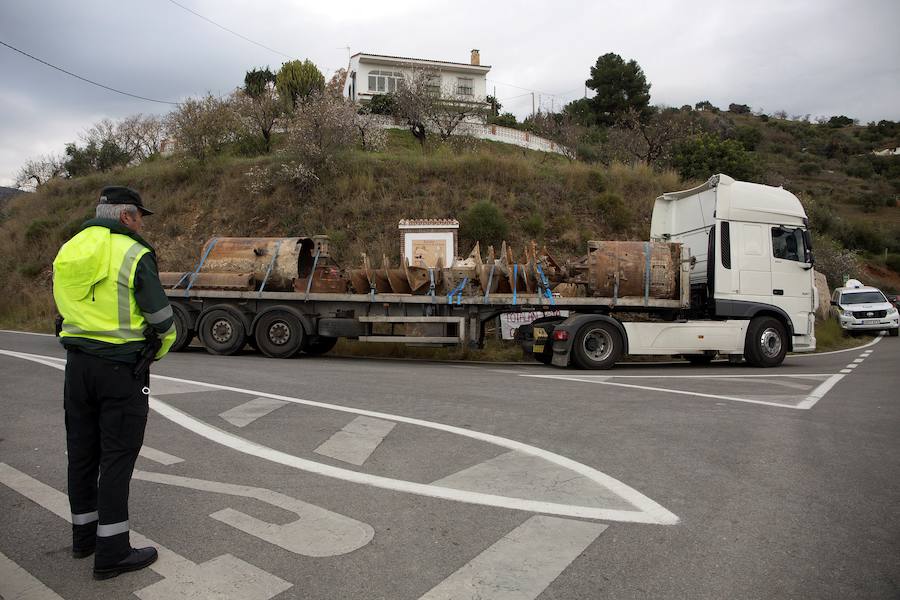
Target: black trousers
<point>106,413</point>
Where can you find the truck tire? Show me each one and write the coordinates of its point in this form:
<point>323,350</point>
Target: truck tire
<point>766,343</point>
<point>279,334</point>
<point>597,345</point>
<point>222,331</point>
<point>184,335</point>
<point>319,345</point>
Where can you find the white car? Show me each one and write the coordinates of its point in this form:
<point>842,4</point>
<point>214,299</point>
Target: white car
<point>862,308</point>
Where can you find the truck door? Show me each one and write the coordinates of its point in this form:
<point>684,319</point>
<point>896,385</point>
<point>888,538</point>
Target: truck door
<point>753,263</point>
<point>792,276</point>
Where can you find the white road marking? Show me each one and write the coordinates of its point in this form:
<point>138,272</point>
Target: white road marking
<point>663,376</point>
<point>647,511</point>
<point>159,456</point>
<point>356,441</point>
<point>244,414</point>
<point>859,360</point>
<point>854,349</point>
<point>852,366</point>
<point>18,584</point>
<point>522,563</point>
<point>818,393</point>
<point>221,577</point>
<point>523,476</point>
<point>846,370</point>
<point>26,332</point>
<point>317,531</point>
<point>665,390</point>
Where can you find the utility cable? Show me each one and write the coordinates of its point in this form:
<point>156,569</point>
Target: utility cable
<point>85,79</point>
<point>231,31</point>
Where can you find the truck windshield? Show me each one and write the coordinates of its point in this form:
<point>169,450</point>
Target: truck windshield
<point>862,298</point>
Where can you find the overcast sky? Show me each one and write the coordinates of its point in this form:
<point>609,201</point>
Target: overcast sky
<point>819,57</point>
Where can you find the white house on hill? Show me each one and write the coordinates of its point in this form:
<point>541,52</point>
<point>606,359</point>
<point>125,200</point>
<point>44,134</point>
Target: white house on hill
<point>372,74</point>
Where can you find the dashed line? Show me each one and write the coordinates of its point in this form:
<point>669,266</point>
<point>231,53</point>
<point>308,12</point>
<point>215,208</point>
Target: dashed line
<point>16,582</point>
<point>163,458</point>
<point>846,370</point>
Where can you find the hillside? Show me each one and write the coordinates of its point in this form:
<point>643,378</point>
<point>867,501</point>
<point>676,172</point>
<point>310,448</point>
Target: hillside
<point>544,197</point>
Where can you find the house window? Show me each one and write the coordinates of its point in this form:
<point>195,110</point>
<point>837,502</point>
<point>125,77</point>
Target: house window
<point>384,82</point>
<point>433,84</point>
<point>464,86</point>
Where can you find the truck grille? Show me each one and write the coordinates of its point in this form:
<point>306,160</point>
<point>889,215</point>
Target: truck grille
<point>869,314</point>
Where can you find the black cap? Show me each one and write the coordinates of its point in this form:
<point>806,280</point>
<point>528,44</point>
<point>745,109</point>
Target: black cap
<point>117,194</point>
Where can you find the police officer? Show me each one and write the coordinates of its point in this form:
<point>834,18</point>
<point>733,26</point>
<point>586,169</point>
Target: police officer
<point>107,290</point>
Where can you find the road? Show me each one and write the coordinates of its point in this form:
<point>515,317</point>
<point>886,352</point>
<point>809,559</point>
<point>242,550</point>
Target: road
<point>344,478</point>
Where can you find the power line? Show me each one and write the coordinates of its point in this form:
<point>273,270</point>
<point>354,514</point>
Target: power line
<point>85,79</point>
<point>231,31</point>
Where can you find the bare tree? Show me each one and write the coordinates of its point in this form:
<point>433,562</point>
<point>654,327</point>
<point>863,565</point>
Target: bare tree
<point>429,106</point>
<point>321,127</point>
<point>259,113</point>
<point>38,171</point>
<point>335,85</point>
<point>650,139</point>
<point>202,127</point>
<point>562,128</point>
<point>141,135</point>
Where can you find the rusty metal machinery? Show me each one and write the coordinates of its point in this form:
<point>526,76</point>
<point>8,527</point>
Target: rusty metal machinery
<point>610,269</point>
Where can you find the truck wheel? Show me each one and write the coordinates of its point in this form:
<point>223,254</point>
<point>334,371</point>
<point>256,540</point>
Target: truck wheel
<point>597,345</point>
<point>183,333</point>
<point>222,332</point>
<point>766,343</point>
<point>319,345</point>
<point>279,334</point>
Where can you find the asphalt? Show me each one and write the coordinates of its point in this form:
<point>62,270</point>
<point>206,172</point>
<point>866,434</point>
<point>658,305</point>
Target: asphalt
<point>780,483</point>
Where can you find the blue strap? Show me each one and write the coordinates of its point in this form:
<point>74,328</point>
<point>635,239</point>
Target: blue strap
<point>311,275</point>
<point>515,280</point>
<point>490,281</point>
<point>647,274</point>
<point>269,270</point>
<point>456,290</point>
<point>431,287</point>
<point>545,284</point>
<point>193,276</point>
<point>461,288</point>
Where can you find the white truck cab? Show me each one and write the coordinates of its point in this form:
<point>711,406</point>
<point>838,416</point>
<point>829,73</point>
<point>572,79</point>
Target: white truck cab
<point>863,308</point>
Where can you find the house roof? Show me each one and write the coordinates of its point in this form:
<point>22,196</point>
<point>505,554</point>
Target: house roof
<point>407,59</point>
<point>433,223</point>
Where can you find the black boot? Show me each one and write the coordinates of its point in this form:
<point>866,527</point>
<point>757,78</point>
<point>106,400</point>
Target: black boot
<point>137,559</point>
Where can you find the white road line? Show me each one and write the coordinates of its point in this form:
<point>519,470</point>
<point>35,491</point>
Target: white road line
<point>244,414</point>
<point>854,349</point>
<point>159,456</point>
<point>733,376</point>
<point>859,360</point>
<point>647,511</point>
<point>356,442</point>
<point>26,332</point>
<point>846,370</point>
<point>818,393</point>
<point>317,532</point>
<point>521,564</point>
<point>667,390</point>
<point>18,584</point>
<point>852,366</point>
<point>183,578</point>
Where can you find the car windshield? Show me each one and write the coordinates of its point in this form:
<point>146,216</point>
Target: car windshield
<point>862,298</point>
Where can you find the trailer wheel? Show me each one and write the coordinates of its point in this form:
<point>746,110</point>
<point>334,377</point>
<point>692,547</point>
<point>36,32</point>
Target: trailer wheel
<point>222,332</point>
<point>766,343</point>
<point>597,345</point>
<point>319,345</point>
<point>279,334</point>
<point>183,332</point>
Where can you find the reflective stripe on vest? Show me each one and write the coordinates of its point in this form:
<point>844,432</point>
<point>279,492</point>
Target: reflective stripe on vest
<point>123,281</point>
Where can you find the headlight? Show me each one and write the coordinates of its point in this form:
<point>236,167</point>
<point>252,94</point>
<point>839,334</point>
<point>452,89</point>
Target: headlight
<point>848,313</point>
<point>892,312</point>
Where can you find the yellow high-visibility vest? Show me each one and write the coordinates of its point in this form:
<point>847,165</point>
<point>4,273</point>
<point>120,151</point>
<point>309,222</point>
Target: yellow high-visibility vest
<point>93,279</point>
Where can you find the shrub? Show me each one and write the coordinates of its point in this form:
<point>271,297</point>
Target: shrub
<point>834,261</point>
<point>739,109</point>
<point>809,168</point>
<point>748,136</point>
<point>859,167</point>
<point>893,262</point>
<point>612,210</point>
<point>704,155</point>
<point>203,127</point>
<point>840,121</point>
<point>533,225</point>
<point>38,229</point>
<point>382,104</point>
<point>485,223</point>
<point>504,120</point>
